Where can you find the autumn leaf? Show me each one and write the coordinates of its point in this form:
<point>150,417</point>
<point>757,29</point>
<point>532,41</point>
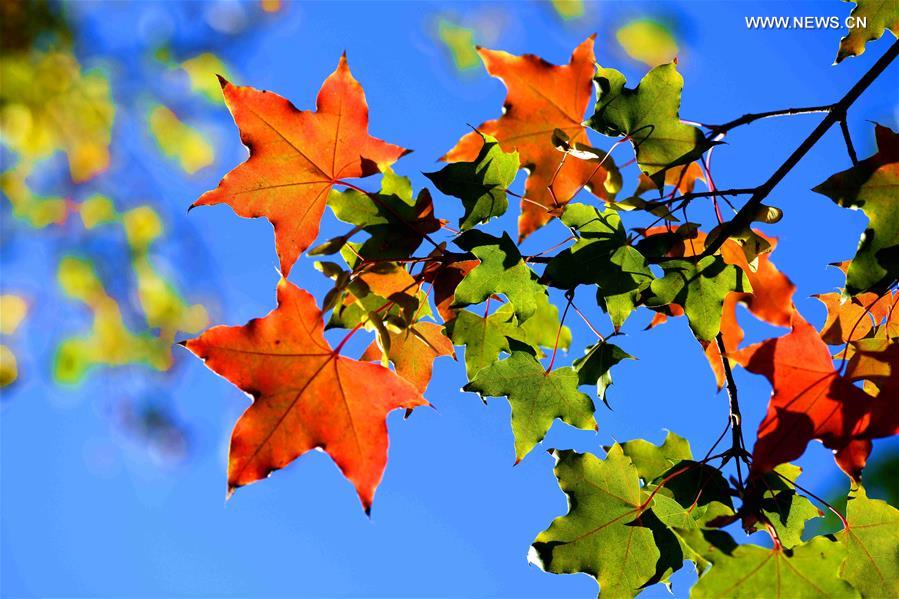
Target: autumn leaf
<point>770,300</point>
<point>396,222</point>
<point>297,156</point>
<point>413,351</point>
<point>847,317</point>
<point>602,534</point>
<point>480,184</point>
<point>872,185</point>
<point>444,278</point>
<point>700,289</point>
<point>537,397</point>
<point>877,15</point>
<point>810,400</point>
<point>305,395</point>
<point>595,367</point>
<point>808,571</point>
<point>501,270</point>
<point>648,116</point>
<point>872,546</point>
<point>541,98</point>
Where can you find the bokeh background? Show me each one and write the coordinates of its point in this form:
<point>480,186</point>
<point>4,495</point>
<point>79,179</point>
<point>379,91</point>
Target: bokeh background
<point>114,443</point>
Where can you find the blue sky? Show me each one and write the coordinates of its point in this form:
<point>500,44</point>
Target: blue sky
<point>452,517</point>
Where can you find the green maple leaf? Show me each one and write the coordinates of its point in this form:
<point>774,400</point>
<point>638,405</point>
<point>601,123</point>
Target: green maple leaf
<point>872,546</point>
<point>537,397</point>
<point>808,571</point>
<point>481,184</point>
<point>541,329</point>
<point>652,460</point>
<point>700,490</point>
<point>595,367</point>
<point>872,185</point>
<point>700,288</point>
<point>395,221</point>
<point>502,270</point>
<point>878,15</point>
<point>603,533</point>
<point>484,338</point>
<point>626,275</point>
<point>786,510</point>
<point>599,233</point>
<point>648,114</point>
<point>600,256</point>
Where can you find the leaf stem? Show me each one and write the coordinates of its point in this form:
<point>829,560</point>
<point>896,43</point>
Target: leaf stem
<point>570,296</point>
<point>844,127</point>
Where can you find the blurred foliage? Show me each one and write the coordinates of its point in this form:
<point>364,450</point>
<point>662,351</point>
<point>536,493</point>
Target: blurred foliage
<point>178,140</point>
<point>13,309</point>
<point>569,9</point>
<point>201,71</point>
<point>49,104</point>
<point>648,41</point>
<point>75,185</point>
<point>459,41</point>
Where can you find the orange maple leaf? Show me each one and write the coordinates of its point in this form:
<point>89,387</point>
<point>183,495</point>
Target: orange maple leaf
<point>413,352</point>
<point>543,97</point>
<point>305,395</point>
<point>811,400</point>
<point>296,156</point>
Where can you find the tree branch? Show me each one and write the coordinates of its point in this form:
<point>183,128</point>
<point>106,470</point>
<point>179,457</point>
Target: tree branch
<point>844,127</point>
<point>745,216</point>
<point>716,130</point>
<point>737,447</point>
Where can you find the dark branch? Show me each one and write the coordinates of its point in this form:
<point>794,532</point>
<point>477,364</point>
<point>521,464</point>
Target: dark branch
<point>844,127</point>
<point>745,216</point>
<point>716,130</point>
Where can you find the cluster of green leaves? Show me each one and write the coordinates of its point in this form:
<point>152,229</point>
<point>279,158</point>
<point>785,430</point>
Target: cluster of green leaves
<point>637,514</point>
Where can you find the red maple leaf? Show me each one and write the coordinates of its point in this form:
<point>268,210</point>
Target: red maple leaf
<point>305,395</point>
<point>811,400</point>
<point>542,97</point>
<point>296,156</point>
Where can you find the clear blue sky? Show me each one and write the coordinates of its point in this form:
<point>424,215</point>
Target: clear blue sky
<point>452,517</point>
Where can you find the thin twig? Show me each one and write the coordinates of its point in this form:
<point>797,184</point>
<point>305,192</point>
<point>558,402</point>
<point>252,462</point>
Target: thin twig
<point>844,127</point>
<point>716,130</point>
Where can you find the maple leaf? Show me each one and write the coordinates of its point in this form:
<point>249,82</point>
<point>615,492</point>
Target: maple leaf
<point>603,533</point>
<point>878,15</point>
<point>485,338</point>
<point>601,256</point>
<point>595,367</point>
<point>537,397</point>
<point>700,288</point>
<point>541,98</point>
<point>749,571</point>
<point>413,351</point>
<point>501,270</point>
<point>396,222</point>
<point>648,116</point>
<point>305,395</point>
<point>297,156</point>
<point>872,546</point>
<point>770,300</point>
<point>444,278</point>
<point>810,400</point>
<point>480,184</point>
<point>773,500</point>
<point>847,317</point>
<point>872,185</point>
